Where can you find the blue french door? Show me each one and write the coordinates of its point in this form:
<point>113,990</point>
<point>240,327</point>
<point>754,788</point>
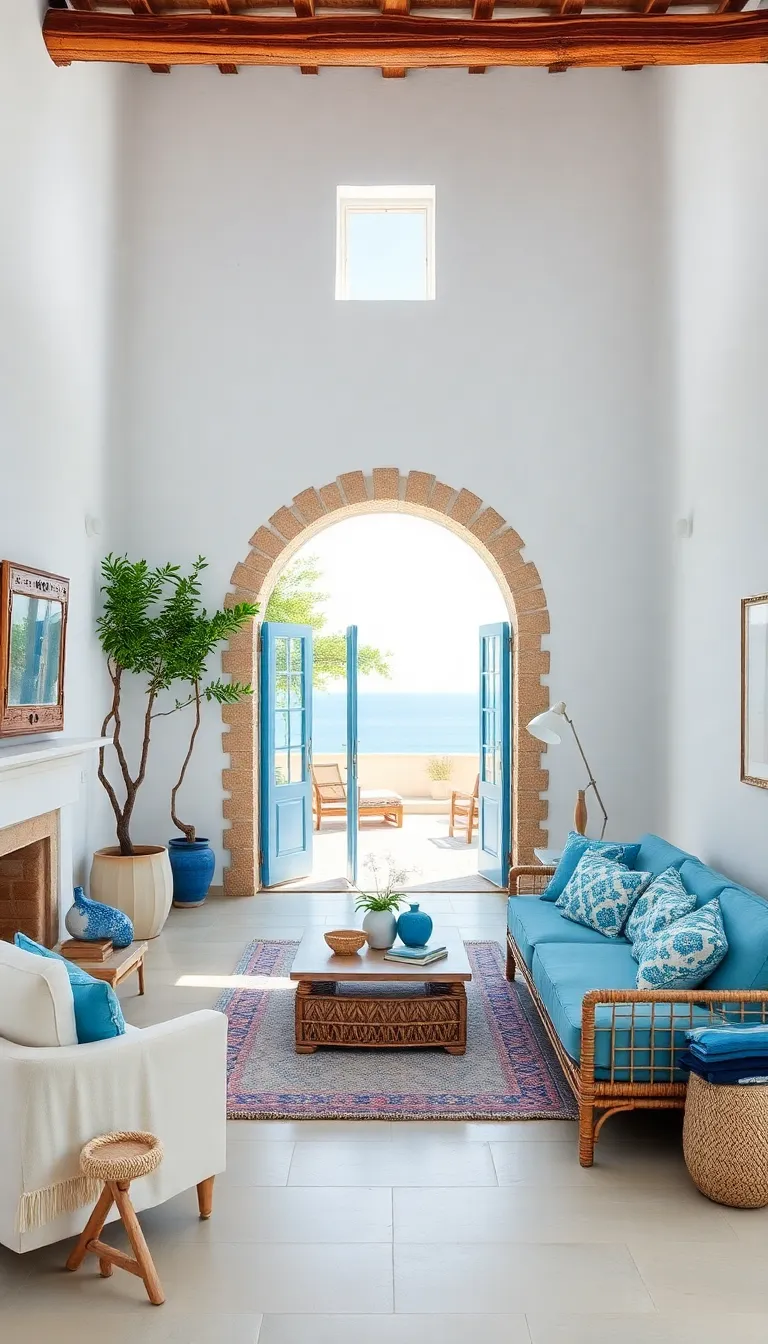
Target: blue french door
<point>352,781</point>
<point>494,801</point>
<point>286,752</point>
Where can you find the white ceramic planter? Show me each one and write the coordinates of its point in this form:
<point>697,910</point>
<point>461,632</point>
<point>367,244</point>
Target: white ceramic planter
<point>140,885</point>
<point>380,928</point>
<point>440,788</point>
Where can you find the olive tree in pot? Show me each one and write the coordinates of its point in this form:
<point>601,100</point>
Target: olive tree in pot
<point>143,624</point>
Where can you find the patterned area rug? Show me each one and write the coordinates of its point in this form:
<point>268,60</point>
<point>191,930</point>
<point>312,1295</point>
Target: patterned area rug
<point>508,1073</point>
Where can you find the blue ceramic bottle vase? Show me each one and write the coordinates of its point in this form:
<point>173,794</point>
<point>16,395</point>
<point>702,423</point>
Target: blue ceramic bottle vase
<point>414,927</point>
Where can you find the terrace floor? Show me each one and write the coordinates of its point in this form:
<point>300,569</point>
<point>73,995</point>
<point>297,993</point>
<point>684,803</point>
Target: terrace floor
<point>436,861</point>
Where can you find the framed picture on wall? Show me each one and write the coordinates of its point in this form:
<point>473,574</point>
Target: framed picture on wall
<point>754,690</point>
<point>33,628</point>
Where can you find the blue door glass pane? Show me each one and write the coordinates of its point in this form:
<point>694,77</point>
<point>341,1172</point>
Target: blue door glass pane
<point>352,782</point>
<point>285,752</point>
<point>494,804</point>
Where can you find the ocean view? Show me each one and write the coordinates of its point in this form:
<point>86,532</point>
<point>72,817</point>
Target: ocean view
<point>399,722</point>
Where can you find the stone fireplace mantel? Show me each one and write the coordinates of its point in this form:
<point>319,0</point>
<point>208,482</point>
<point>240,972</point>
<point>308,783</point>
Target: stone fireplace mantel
<point>40,778</point>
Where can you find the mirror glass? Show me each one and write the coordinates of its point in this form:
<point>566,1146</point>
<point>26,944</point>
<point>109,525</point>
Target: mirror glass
<point>35,653</point>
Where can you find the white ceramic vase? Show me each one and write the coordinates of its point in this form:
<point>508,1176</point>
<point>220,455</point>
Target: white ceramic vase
<point>380,928</point>
<point>141,885</point>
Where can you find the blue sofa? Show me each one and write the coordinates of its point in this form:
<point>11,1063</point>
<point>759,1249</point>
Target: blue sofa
<point>617,1044</point>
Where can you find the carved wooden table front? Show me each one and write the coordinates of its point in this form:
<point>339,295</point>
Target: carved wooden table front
<point>431,1012</point>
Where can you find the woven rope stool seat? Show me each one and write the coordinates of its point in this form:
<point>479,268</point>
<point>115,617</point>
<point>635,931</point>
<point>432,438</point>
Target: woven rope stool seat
<point>117,1159</point>
<point>725,1142</point>
<point>121,1156</point>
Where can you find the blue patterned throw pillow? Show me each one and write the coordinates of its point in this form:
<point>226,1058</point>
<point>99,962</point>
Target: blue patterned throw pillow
<point>575,847</point>
<point>661,904</point>
<point>684,954</point>
<point>601,894</point>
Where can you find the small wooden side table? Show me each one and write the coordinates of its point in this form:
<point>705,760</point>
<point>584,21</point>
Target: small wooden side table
<point>117,1159</point>
<point>124,961</point>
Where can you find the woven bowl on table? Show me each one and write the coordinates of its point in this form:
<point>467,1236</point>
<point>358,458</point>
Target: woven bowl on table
<point>345,942</point>
<point>725,1142</point>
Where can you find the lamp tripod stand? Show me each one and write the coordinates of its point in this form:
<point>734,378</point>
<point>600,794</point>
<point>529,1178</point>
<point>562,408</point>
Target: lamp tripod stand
<point>547,727</point>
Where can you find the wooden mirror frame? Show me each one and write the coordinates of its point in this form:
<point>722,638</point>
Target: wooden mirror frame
<point>16,720</point>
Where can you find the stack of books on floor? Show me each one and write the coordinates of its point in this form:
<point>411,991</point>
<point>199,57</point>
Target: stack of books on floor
<point>729,1055</point>
<point>416,956</point>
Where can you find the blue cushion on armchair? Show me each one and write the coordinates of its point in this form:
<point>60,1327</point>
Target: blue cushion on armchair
<point>98,1015</point>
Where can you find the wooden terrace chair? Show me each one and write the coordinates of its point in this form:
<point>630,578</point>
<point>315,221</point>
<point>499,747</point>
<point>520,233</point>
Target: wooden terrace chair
<point>329,798</point>
<point>464,810</point>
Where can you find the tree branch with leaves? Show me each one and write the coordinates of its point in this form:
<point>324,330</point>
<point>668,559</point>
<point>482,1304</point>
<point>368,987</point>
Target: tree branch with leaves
<point>296,600</point>
<point>154,626</point>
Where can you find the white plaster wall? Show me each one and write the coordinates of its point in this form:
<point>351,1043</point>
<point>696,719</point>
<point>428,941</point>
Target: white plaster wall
<point>717,124</point>
<point>56,217</point>
<point>533,379</point>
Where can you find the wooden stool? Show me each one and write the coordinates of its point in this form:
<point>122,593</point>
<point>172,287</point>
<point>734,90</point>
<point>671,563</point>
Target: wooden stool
<point>118,1159</point>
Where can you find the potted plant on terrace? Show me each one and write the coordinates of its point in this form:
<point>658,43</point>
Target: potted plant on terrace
<point>143,631</point>
<point>381,904</point>
<point>439,770</point>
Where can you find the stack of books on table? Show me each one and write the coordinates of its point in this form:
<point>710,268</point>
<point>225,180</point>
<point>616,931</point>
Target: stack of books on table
<point>416,956</point>
<point>95,949</point>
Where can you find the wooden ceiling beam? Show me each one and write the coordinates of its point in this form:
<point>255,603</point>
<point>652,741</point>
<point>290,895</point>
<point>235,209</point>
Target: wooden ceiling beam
<point>144,7</point>
<point>305,9</point>
<point>405,42</point>
<point>221,7</point>
<point>395,7</point>
<point>482,12</point>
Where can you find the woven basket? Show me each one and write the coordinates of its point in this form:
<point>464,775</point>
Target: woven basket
<point>725,1142</point>
<point>345,942</point>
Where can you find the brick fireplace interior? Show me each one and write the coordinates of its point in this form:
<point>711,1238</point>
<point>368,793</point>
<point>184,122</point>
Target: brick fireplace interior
<point>28,880</point>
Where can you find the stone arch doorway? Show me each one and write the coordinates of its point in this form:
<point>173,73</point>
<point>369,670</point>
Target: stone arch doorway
<point>386,489</point>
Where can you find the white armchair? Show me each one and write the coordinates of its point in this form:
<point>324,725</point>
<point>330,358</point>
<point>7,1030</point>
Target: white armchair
<point>169,1079</point>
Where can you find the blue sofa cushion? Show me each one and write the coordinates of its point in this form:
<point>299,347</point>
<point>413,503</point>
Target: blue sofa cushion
<point>704,882</point>
<point>564,974</point>
<point>656,854</point>
<point>575,847</point>
<point>532,921</point>
<point>98,1015</point>
<point>601,894</point>
<point>682,955</point>
<point>745,918</point>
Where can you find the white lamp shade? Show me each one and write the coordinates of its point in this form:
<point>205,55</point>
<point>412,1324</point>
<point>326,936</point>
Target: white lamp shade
<point>548,726</point>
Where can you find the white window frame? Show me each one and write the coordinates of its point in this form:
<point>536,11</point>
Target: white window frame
<point>356,200</point>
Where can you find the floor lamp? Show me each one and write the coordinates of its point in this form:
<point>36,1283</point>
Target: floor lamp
<point>547,727</point>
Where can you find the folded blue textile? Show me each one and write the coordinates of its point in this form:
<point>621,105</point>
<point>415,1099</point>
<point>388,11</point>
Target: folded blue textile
<point>743,1072</point>
<point>727,1042</point>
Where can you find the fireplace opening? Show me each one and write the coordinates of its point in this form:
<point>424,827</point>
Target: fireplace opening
<point>27,885</point>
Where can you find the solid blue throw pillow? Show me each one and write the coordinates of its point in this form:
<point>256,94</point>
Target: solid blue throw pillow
<point>98,1015</point>
<point>575,846</point>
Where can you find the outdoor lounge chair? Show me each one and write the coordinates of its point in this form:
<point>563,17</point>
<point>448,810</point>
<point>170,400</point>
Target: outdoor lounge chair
<point>329,798</point>
<point>464,810</point>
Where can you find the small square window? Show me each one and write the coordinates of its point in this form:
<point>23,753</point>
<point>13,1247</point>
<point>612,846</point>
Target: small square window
<point>385,243</point>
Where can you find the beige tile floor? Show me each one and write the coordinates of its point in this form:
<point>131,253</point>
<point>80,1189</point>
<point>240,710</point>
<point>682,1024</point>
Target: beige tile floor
<point>409,1233</point>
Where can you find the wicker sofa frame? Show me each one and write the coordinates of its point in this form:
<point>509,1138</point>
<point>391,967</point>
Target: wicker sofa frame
<point>598,1098</point>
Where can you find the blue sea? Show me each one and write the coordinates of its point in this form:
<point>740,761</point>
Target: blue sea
<point>399,722</point>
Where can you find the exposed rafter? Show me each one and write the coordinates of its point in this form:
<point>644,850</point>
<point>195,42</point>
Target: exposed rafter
<point>222,7</point>
<point>402,42</point>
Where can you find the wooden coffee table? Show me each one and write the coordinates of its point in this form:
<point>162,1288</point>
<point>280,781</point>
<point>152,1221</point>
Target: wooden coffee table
<point>433,1012</point>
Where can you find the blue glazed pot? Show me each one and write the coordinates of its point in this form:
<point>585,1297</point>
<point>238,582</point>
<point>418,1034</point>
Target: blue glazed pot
<point>192,865</point>
<point>88,920</point>
<point>414,928</point>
